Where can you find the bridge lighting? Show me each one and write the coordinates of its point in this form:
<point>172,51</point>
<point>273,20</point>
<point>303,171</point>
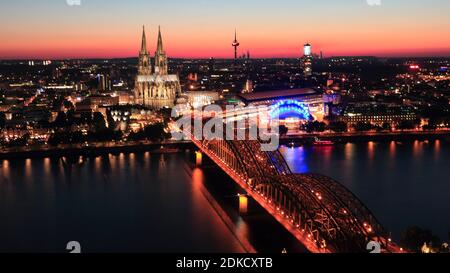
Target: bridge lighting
<point>199,158</point>
<point>243,204</point>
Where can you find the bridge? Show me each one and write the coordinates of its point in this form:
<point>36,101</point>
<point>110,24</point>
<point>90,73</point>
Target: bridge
<point>320,212</point>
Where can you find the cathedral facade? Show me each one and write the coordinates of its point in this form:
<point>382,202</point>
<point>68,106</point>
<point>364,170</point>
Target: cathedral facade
<point>155,88</point>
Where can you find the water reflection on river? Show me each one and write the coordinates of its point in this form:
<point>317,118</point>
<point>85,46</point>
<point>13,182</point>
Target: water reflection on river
<point>163,203</point>
<point>113,203</point>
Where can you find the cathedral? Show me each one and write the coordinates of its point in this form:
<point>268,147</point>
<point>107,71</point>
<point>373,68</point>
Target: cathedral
<point>155,88</point>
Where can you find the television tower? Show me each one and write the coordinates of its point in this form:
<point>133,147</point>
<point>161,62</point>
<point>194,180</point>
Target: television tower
<point>235,45</point>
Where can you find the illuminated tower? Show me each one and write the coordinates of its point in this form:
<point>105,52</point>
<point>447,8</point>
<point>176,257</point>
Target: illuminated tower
<point>307,60</point>
<point>161,62</point>
<point>235,45</point>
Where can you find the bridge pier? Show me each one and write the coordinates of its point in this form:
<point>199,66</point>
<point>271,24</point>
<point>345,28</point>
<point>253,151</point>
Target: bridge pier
<point>243,204</point>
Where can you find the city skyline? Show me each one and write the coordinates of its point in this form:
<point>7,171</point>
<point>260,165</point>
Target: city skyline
<point>95,29</point>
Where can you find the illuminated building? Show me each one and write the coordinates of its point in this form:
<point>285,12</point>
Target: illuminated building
<point>134,117</point>
<point>248,87</point>
<point>201,98</point>
<point>94,102</point>
<point>104,82</point>
<point>306,61</point>
<point>124,97</point>
<point>155,88</point>
<point>309,97</point>
<point>307,50</point>
<point>289,108</point>
<point>377,114</point>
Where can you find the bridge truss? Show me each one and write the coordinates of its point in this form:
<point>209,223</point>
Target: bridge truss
<point>320,212</point>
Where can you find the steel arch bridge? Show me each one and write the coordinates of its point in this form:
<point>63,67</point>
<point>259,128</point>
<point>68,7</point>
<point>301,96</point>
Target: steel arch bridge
<point>321,213</point>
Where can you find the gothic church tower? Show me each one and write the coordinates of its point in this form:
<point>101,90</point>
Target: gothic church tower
<point>144,66</point>
<point>161,65</point>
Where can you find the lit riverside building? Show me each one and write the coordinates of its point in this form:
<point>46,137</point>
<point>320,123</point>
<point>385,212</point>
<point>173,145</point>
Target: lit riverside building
<point>377,114</point>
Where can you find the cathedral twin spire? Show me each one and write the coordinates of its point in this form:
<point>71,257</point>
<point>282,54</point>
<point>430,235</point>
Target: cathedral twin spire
<point>144,41</point>
<point>160,48</point>
<point>161,61</point>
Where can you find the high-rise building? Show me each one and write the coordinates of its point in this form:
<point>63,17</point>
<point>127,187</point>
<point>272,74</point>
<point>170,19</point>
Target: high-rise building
<point>307,50</point>
<point>104,82</point>
<point>155,88</point>
<point>306,61</point>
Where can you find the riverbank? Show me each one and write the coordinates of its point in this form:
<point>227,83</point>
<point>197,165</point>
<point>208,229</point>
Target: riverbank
<point>94,149</point>
<point>304,139</point>
<point>97,149</point>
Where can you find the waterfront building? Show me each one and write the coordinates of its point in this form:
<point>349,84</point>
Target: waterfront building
<point>377,114</point>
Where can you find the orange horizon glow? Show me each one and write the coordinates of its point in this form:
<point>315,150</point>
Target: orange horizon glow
<point>90,48</point>
<point>205,46</point>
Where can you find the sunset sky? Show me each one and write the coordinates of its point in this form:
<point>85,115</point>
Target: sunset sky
<point>52,29</point>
